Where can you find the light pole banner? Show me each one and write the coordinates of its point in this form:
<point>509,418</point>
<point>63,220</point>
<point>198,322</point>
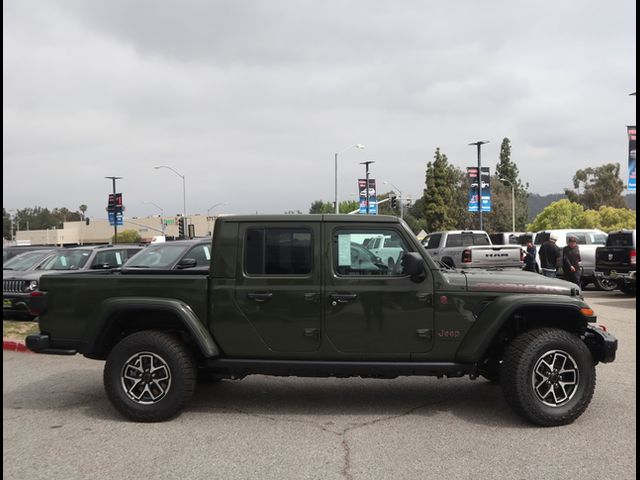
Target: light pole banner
<point>485,185</point>
<point>631,131</point>
<point>472,177</point>
<point>373,198</point>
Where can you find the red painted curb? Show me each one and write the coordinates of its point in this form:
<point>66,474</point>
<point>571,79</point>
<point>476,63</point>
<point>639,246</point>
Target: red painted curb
<point>14,346</point>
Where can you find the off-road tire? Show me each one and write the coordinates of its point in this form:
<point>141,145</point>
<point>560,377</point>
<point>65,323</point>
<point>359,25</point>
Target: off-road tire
<point>173,387</point>
<point>604,284</point>
<point>534,348</point>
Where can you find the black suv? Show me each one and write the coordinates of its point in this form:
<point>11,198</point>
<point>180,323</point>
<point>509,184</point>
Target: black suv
<point>18,288</point>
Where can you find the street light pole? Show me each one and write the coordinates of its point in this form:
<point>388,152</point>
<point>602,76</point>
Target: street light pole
<point>335,159</point>
<point>211,208</point>
<point>184,191</point>
<point>401,198</point>
<point>366,188</point>
<point>479,144</point>
<point>115,223</point>
<point>513,204</point>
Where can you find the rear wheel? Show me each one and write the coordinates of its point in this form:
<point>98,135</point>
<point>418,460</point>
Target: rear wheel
<point>548,376</point>
<point>149,376</point>
<point>604,284</point>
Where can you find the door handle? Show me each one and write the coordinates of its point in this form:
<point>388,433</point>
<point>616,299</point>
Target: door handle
<point>260,297</point>
<point>424,333</point>
<point>311,332</point>
<point>337,298</point>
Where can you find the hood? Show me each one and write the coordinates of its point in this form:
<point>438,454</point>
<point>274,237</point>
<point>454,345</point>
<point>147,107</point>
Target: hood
<point>517,282</point>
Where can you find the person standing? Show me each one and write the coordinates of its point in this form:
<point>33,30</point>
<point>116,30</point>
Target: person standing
<point>571,260</point>
<point>530,257</point>
<point>550,257</point>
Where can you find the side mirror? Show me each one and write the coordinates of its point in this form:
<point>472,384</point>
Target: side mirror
<point>413,265</point>
<point>187,263</point>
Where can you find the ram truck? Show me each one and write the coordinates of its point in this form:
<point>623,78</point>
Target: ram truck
<point>472,249</point>
<point>300,296</point>
<point>616,261</point>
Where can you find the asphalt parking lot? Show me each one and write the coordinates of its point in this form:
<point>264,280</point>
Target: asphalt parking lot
<point>57,423</point>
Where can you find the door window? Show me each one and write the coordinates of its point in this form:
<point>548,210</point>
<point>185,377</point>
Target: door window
<point>353,258</point>
<point>278,251</point>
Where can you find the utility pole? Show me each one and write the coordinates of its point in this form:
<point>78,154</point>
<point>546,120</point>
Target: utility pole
<point>115,223</point>
<point>479,144</point>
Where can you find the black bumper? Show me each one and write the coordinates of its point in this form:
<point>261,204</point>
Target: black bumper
<point>602,344</point>
<point>42,344</point>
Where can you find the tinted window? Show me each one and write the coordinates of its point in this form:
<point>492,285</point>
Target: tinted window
<point>470,239</point>
<point>433,241</point>
<point>277,251</point>
<point>582,237</point>
<point>620,240</point>
<point>497,239</point>
<point>454,240</point>
<point>112,258</point>
<point>201,254</point>
<point>541,238</point>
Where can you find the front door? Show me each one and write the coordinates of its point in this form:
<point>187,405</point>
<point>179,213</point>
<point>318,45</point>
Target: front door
<point>278,289</point>
<point>372,307</point>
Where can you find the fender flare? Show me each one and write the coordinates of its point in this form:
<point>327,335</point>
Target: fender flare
<point>94,334</point>
<point>496,314</point>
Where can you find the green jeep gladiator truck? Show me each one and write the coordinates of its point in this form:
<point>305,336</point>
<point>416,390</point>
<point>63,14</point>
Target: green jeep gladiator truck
<point>300,295</point>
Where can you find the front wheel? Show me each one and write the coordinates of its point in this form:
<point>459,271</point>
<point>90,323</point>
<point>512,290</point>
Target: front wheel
<point>548,376</point>
<point>149,376</point>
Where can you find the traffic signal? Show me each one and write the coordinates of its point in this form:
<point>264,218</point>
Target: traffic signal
<point>394,202</point>
<point>181,222</point>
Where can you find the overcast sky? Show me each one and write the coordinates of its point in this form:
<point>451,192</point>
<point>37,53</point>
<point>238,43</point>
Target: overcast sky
<point>249,100</point>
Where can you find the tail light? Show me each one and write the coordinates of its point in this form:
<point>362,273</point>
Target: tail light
<point>632,257</point>
<point>466,256</point>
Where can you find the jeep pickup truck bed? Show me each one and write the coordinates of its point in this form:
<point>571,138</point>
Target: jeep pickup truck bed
<point>300,295</point>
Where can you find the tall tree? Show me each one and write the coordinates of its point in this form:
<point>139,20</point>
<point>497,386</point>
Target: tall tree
<point>443,194</point>
<point>83,209</point>
<point>601,186</point>
<point>6,225</point>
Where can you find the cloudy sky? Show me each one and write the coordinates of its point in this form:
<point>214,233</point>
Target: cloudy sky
<point>250,100</point>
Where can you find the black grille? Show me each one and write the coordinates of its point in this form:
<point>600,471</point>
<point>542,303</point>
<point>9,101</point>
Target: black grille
<point>14,285</point>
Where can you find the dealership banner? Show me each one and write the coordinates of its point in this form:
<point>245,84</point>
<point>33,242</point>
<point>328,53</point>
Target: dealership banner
<point>485,184</point>
<point>371,192</point>
<point>472,178</point>
<point>631,131</point>
<point>485,189</point>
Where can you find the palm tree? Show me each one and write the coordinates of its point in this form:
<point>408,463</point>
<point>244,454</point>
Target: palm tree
<point>83,208</point>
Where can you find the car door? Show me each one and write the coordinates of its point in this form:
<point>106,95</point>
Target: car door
<point>278,286</point>
<point>372,309</point>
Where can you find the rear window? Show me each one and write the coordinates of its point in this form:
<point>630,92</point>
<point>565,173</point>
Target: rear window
<point>620,240</point>
<point>541,238</point>
<point>278,251</point>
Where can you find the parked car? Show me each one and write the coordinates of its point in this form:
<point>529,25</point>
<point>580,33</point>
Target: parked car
<point>471,249</point>
<point>588,241</point>
<point>26,261</point>
<point>14,250</point>
<point>18,286</point>
<point>191,255</point>
<point>617,260</point>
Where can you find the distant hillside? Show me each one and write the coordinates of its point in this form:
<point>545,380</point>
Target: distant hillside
<point>537,203</point>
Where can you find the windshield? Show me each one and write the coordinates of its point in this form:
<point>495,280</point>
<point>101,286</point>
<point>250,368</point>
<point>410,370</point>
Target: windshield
<point>25,261</point>
<point>67,260</point>
<point>157,256</point>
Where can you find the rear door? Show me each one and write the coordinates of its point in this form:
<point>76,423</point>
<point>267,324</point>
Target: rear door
<point>279,284</point>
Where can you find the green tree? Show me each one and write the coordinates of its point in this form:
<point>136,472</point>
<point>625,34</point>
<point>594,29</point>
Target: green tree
<point>6,225</point>
<point>560,214</point>
<point>320,206</point>
<point>127,236</point>
<point>601,186</point>
<point>501,217</point>
<point>444,195</point>
<point>83,209</point>
<point>616,218</point>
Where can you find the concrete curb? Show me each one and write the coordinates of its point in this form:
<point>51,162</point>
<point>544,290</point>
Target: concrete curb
<point>14,346</point>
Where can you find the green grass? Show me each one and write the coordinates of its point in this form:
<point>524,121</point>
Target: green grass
<point>18,330</point>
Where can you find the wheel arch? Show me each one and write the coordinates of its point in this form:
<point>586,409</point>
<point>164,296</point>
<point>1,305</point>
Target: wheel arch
<point>506,318</point>
<point>119,317</point>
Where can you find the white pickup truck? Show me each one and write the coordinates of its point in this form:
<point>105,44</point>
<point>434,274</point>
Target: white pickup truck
<point>472,249</point>
<point>386,248</point>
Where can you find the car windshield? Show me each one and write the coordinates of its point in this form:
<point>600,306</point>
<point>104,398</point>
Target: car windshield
<point>26,260</point>
<point>67,260</point>
<point>163,255</point>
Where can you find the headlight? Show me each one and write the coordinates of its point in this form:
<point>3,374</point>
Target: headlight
<point>32,286</point>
